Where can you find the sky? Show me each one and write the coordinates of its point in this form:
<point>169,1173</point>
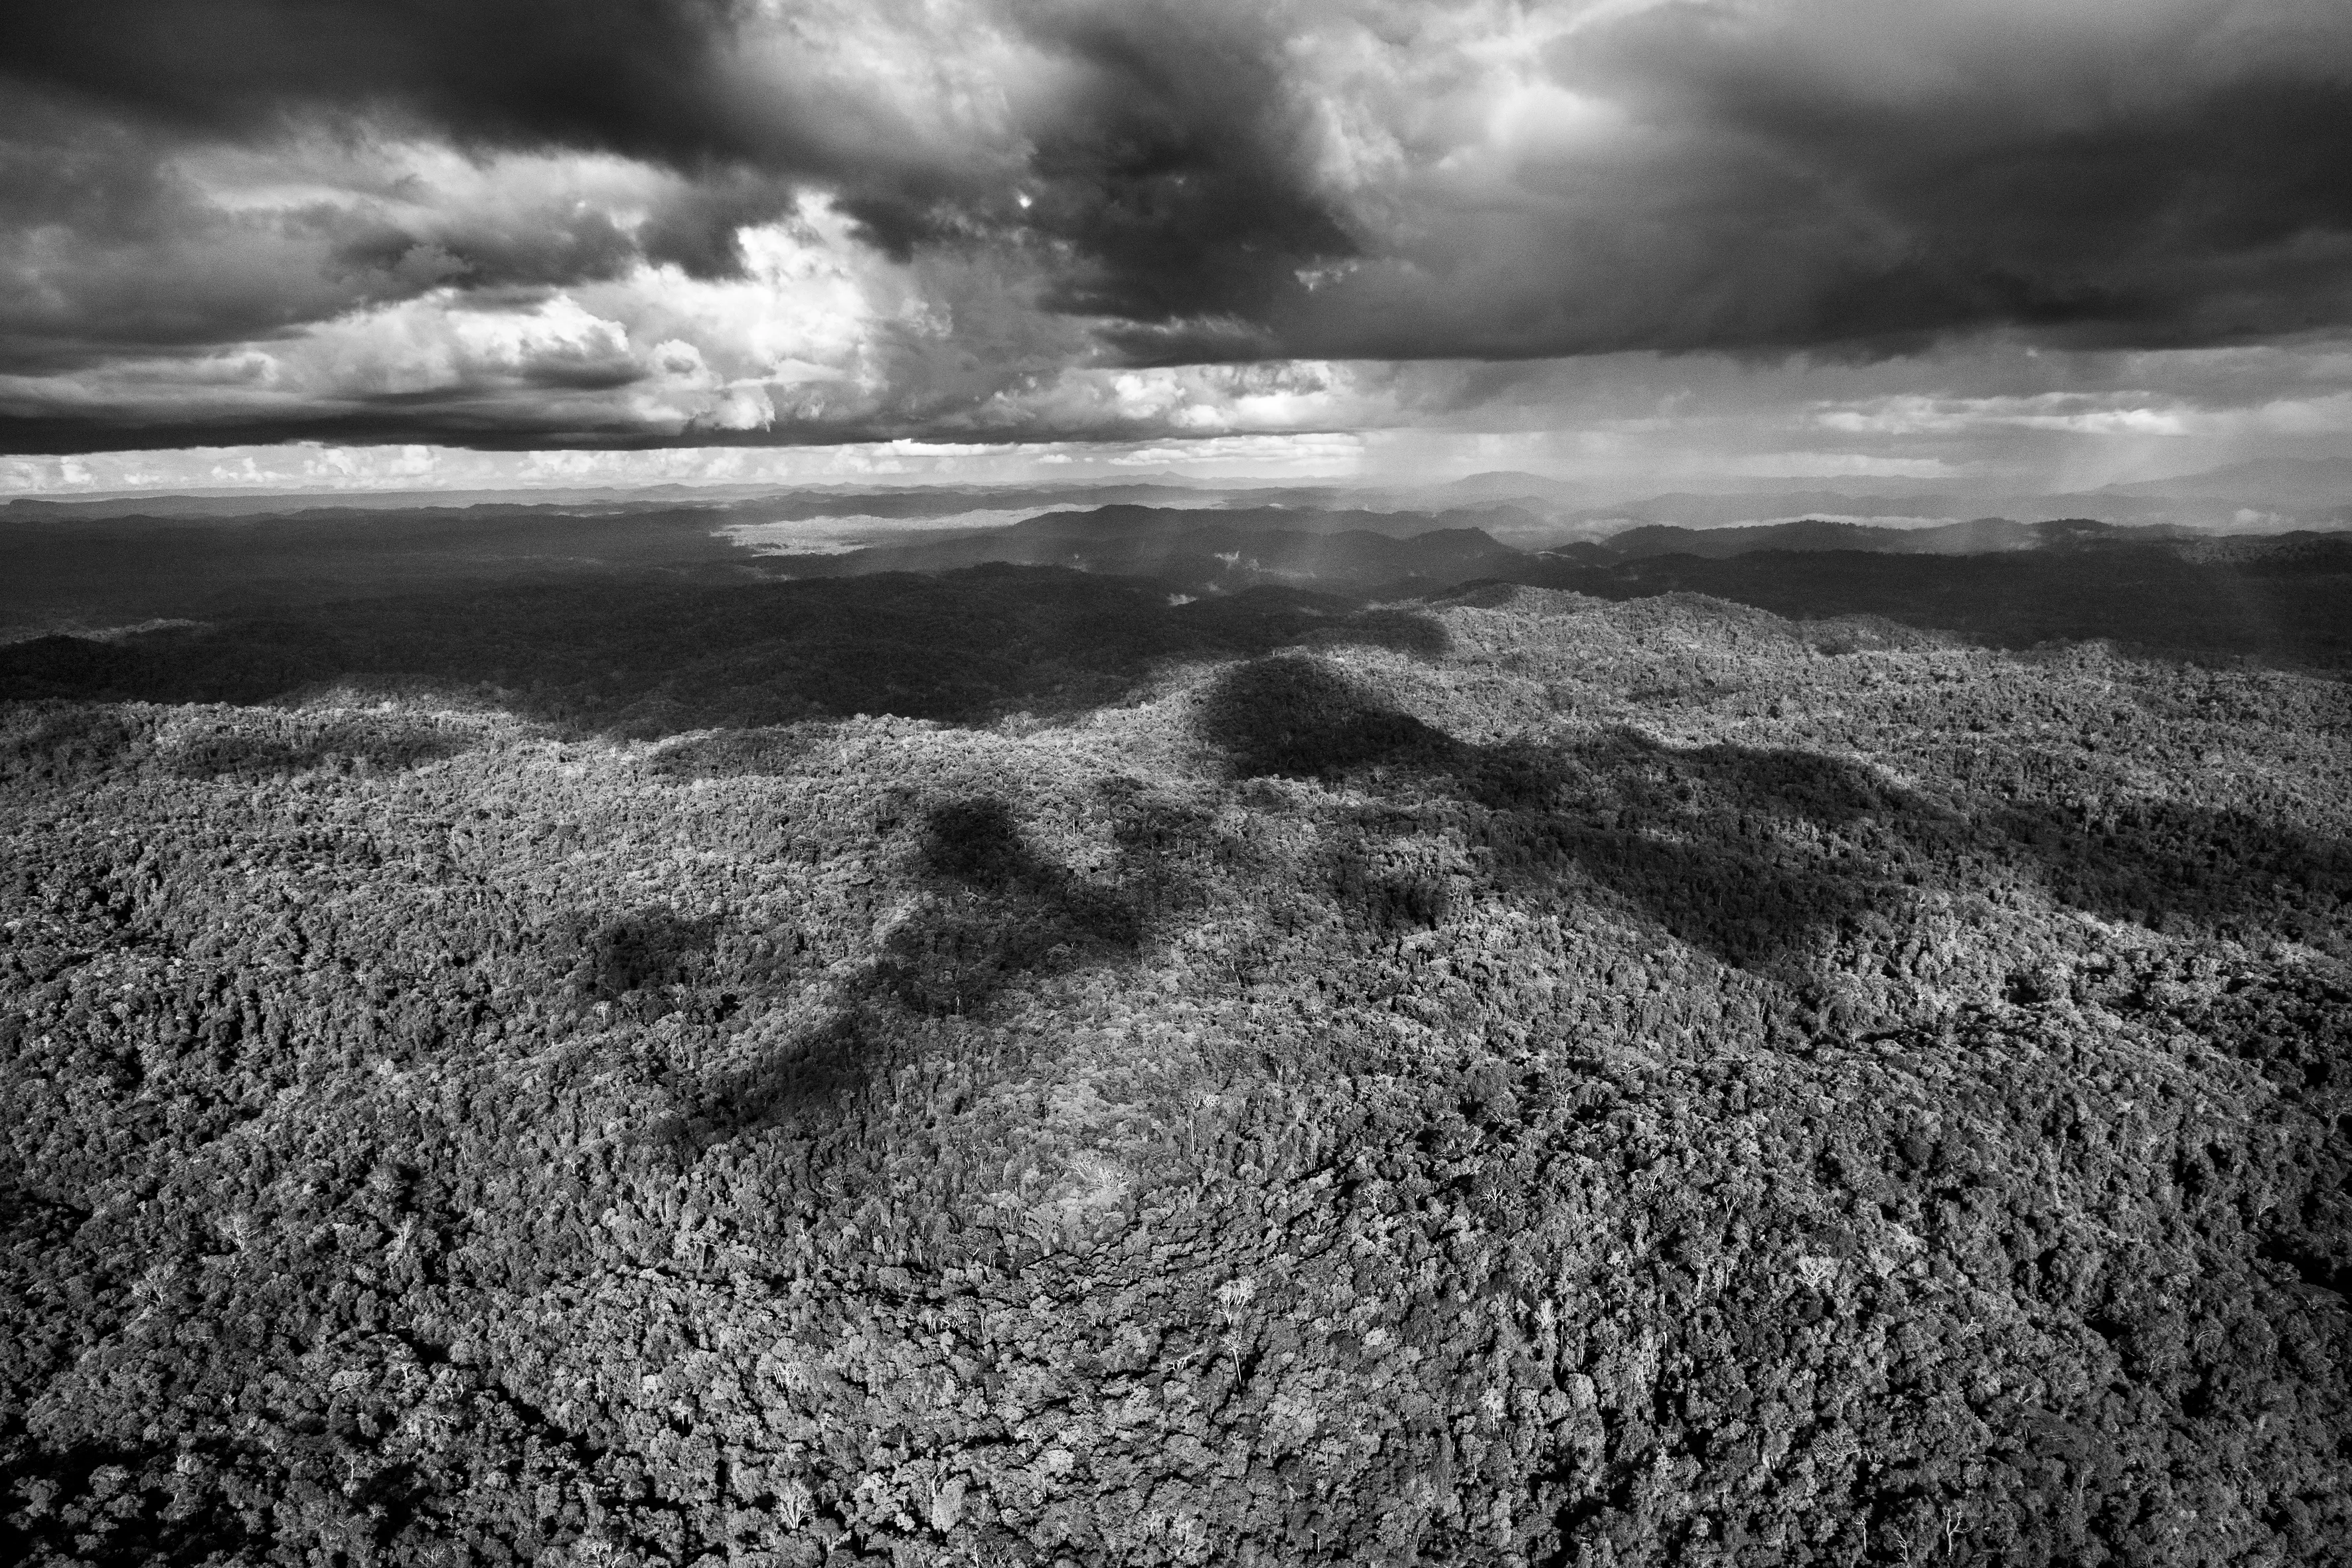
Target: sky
<point>2031,243</point>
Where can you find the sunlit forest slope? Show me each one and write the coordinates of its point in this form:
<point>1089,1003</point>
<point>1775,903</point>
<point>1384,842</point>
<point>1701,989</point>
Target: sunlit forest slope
<point>1518,1079</point>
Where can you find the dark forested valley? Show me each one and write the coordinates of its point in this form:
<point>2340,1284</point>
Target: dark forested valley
<point>1395,1047</point>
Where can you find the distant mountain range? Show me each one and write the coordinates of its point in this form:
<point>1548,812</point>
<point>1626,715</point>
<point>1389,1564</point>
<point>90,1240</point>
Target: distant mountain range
<point>1978,536</point>
<point>2279,482</point>
<point>2213,514</point>
<point>2269,496</point>
<point>1209,551</point>
<point>1227,550</point>
<point>773,501</point>
<point>2011,583</point>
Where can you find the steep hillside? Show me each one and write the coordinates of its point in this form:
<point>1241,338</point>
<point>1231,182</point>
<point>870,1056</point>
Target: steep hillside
<point>1524,1081</point>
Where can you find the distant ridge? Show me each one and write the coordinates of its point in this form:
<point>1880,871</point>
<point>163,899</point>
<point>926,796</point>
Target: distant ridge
<point>778,501</point>
<point>1218,548</point>
<point>2272,481</point>
<point>1978,536</point>
<point>1211,551</point>
<point>1515,482</point>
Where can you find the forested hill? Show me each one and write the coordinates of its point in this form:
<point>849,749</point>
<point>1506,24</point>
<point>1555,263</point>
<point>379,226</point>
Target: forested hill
<point>2013,585</point>
<point>2287,599</point>
<point>1517,1080</point>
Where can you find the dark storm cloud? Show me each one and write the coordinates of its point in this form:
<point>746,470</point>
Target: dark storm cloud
<point>1862,177</point>
<point>452,422</point>
<point>1168,179</point>
<point>105,250</point>
<point>1160,179</point>
<point>692,226</point>
<point>1172,169</point>
<point>635,76</point>
<point>1173,182</point>
<point>1178,169</point>
<point>471,417</point>
<point>696,228</point>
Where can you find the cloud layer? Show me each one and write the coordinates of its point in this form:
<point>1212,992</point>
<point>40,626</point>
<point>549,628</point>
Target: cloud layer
<point>648,222</point>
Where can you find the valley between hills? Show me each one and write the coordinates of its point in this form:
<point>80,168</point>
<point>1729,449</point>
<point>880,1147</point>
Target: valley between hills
<point>661,1061</point>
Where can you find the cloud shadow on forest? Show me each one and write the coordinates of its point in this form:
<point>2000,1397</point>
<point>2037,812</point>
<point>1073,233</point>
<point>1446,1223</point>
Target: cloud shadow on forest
<point>997,911</point>
<point>642,962</point>
<point>646,660</point>
<point>1752,853</point>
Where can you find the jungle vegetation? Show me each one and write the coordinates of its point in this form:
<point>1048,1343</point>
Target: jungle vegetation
<point>1005,1066</point>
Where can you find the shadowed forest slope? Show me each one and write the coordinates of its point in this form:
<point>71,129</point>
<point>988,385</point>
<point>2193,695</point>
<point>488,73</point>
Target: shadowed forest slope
<point>648,660</point>
<point>1542,1081</point>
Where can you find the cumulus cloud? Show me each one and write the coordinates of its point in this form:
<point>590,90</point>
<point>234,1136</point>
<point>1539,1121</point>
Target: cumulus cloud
<point>860,219</point>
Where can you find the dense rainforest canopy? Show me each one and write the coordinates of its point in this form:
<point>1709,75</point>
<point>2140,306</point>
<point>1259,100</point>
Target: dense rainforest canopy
<point>1512,1079</point>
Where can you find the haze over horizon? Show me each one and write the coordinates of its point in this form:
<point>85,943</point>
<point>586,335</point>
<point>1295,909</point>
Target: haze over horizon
<point>1638,245</point>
